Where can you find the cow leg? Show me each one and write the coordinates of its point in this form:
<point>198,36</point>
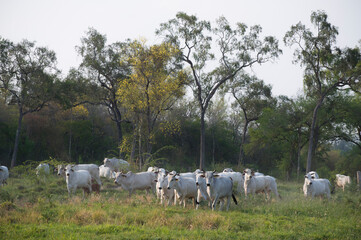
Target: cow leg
<point>215,202</point>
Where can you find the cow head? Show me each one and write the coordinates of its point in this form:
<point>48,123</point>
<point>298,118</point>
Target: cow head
<point>172,179</point>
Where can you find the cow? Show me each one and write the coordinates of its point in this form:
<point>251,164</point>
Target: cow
<point>136,181</point>
<point>42,169</point>
<point>116,164</point>
<point>219,188</point>
<point>77,178</point>
<point>316,187</point>
<point>237,179</point>
<point>61,170</point>
<point>249,171</point>
<point>202,190</point>
<point>4,175</point>
<point>257,184</point>
<point>228,170</point>
<point>106,172</point>
<point>185,188</point>
<point>342,181</point>
<point>163,191</point>
<point>93,169</point>
<point>312,175</point>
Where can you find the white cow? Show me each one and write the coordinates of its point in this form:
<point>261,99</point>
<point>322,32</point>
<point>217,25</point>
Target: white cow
<point>249,171</point>
<point>219,188</point>
<point>77,178</point>
<point>93,169</point>
<point>4,175</point>
<point>136,181</point>
<point>228,170</point>
<point>116,164</point>
<point>342,181</point>
<point>257,184</point>
<point>106,172</point>
<point>202,189</point>
<point>61,170</point>
<point>312,175</point>
<point>316,187</point>
<point>237,178</point>
<point>165,193</point>
<point>185,188</point>
<point>42,169</point>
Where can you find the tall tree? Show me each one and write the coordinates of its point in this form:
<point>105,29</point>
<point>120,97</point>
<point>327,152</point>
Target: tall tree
<point>101,65</point>
<point>327,68</point>
<point>27,75</point>
<point>238,49</point>
<point>252,96</point>
<point>154,85</point>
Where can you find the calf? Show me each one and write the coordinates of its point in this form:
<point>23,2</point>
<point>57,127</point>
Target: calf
<point>4,175</point>
<point>219,188</point>
<point>77,178</point>
<point>185,188</point>
<point>136,181</point>
<point>256,184</point>
<point>342,181</point>
<point>316,187</point>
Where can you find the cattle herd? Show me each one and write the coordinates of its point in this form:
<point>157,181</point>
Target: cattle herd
<point>173,188</point>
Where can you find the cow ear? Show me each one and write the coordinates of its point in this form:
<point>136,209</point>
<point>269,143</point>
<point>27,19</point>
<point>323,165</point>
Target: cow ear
<point>305,176</point>
<point>214,171</point>
<point>155,180</point>
<point>202,176</point>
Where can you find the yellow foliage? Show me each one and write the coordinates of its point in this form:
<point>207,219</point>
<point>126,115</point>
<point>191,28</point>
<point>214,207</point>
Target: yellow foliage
<point>80,111</point>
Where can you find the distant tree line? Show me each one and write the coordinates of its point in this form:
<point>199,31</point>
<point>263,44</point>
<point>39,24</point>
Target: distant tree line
<point>131,100</point>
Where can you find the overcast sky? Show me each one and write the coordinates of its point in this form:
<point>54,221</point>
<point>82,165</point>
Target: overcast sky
<point>59,25</point>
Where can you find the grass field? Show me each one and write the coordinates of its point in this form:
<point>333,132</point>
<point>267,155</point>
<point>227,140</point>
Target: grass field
<point>32,208</point>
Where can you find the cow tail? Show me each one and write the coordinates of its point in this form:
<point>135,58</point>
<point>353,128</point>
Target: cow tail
<point>234,199</point>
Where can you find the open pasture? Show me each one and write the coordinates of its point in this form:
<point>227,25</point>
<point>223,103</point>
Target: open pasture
<point>32,208</point>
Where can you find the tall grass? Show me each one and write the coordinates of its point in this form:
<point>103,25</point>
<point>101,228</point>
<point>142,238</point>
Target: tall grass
<point>33,208</point>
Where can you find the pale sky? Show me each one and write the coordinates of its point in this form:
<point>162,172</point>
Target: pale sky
<point>59,25</point>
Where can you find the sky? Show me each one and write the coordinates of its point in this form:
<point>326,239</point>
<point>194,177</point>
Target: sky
<point>60,24</point>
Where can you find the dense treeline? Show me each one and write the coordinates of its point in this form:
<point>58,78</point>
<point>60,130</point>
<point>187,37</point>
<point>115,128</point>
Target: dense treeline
<point>131,100</point>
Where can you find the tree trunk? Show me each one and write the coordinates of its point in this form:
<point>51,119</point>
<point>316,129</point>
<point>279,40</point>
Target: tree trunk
<point>311,139</point>
<point>203,142</point>
<point>241,157</point>
<point>70,133</point>
<point>17,138</point>
<point>359,179</point>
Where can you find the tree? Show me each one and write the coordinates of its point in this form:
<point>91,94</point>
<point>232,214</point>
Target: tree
<point>101,65</point>
<point>238,50</point>
<point>27,75</point>
<point>154,85</point>
<point>327,68</point>
<point>252,96</point>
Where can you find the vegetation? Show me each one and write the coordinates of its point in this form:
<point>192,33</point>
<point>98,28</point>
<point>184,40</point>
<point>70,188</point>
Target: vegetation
<point>133,100</point>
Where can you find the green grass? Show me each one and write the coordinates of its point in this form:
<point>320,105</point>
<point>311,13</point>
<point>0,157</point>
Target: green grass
<point>36,209</point>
